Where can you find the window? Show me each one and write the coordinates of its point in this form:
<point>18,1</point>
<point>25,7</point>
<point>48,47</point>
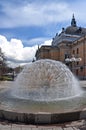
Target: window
<point>77,72</point>
<point>77,51</point>
<point>81,68</point>
<point>73,51</point>
<point>77,63</point>
<point>66,56</point>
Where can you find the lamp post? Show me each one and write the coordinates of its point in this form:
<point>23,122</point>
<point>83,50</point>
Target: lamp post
<point>71,61</point>
<point>1,59</point>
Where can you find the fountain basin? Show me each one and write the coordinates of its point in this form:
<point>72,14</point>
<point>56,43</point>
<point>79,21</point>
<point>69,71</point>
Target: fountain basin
<point>33,112</point>
<point>45,92</point>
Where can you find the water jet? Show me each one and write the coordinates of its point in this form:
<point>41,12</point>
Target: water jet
<point>45,92</point>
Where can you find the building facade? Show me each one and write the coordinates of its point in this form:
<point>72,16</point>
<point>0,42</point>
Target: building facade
<point>68,47</point>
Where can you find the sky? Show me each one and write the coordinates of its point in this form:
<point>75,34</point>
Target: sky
<point>27,24</point>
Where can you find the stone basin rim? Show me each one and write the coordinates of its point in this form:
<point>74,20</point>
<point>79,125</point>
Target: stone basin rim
<point>42,117</point>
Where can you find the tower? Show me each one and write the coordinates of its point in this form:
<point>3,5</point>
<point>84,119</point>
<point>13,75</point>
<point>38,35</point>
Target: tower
<point>73,21</point>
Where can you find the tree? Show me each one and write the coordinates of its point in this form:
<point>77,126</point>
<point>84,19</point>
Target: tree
<point>3,65</point>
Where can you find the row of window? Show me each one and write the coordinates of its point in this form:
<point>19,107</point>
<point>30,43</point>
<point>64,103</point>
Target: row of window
<point>76,52</point>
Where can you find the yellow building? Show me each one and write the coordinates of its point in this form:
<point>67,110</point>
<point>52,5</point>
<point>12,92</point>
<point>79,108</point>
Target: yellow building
<point>68,47</point>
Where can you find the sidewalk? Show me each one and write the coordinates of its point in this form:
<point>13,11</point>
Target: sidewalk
<point>76,125</point>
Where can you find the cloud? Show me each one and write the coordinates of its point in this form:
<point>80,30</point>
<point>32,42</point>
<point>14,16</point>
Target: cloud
<point>39,13</point>
<point>16,53</point>
<point>34,14</point>
<point>36,41</point>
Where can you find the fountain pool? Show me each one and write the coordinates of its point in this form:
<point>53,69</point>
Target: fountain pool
<point>44,92</point>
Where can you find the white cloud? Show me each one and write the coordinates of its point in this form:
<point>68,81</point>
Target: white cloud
<point>35,41</point>
<point>42,13</point>
<point>35,14</point>
<point>16,53</point>
<point>47,42</point>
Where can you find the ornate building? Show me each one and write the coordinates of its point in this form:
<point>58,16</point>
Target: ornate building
<point>68,47</point>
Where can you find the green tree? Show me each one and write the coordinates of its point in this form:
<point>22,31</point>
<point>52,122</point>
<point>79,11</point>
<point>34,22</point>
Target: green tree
<point>3,65</point>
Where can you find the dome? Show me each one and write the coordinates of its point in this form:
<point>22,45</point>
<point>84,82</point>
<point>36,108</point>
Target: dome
<point>75,30</point>
<point>71,30</point>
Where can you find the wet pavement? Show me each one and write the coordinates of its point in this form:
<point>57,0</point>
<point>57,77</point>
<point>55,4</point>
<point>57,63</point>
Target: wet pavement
<point>75,125</point>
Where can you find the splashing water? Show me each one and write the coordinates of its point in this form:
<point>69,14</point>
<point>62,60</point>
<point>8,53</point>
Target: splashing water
<point>46,80</point>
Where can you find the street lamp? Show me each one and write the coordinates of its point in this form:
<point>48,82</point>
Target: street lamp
<point>1,59</point>
<point>72,60</point>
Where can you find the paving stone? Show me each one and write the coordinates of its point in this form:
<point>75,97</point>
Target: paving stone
<point>45,128</point>
<point>69,128</point>
<point>37,129</point>
<point>58,128</point>
<point>76,123</point>
<point>16,127</point>
<point>42,128</point>
<point>26,128</point>
<point>0,126</point>
<point>5,127</point>
<point>76,128</point>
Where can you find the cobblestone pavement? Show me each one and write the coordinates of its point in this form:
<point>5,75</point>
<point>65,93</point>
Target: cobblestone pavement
<point>75,125</point>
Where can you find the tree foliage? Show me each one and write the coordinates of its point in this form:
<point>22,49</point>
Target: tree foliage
<point>3,65</point>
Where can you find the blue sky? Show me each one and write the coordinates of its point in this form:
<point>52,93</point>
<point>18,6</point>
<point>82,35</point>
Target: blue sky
<point>25,24</point>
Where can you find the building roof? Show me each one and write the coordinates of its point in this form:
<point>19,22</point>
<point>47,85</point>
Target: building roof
<point>70,34</point>
<point>63,37</point>
<point>75,30</point>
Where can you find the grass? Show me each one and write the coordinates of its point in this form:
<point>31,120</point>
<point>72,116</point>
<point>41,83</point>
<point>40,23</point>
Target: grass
<point>7,78</point>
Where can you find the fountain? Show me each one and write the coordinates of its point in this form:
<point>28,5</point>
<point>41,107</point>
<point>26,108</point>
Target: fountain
<point>44,92</point>
<point>46,80</point>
